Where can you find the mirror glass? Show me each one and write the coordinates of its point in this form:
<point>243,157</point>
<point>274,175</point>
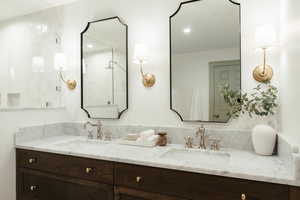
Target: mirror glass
<point>104,69</point>
<point>28,78</point>
<point>205,57</point>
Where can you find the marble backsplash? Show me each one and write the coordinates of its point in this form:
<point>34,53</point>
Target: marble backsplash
<point>237,139</point>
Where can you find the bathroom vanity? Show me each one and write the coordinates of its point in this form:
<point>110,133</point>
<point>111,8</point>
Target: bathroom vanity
<point>66,165</point>
<point>46,176</point>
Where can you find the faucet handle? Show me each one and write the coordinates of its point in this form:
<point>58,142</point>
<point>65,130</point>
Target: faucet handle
<point>215,144</point>
<point>90,135</point>
<point>188,142</point>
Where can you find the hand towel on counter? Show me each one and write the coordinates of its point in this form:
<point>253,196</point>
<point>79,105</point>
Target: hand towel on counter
<point>132,136</point>
<point>145,134</point>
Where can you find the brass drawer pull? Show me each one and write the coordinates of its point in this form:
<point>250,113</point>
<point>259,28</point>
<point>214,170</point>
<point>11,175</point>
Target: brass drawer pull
<point>33,188</point>
<point>243,197</point>
<point>31,160</point>
<point>138,179</point>
<point>88,170</point>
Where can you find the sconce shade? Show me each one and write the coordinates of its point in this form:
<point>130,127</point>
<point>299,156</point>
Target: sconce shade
<point>265,36</point>
<point>140,54</point>
<point>38,64</point>
<point>60,62</point>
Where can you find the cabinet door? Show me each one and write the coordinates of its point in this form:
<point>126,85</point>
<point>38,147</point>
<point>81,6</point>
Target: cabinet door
<point>39,186</point>
<point>123,193</point>
<point>294,193</point>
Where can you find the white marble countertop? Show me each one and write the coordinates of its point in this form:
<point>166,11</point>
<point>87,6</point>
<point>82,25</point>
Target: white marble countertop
<point>240,164</point>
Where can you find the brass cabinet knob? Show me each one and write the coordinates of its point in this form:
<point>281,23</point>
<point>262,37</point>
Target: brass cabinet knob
<point>138,179</point>
<point>33,188</point>
<point>88,170</point>
<point>31,160</point>
<point>243,197</point>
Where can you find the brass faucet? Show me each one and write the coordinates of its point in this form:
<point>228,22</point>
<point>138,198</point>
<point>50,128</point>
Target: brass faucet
<point>100,135</point>
<point>202,137</point>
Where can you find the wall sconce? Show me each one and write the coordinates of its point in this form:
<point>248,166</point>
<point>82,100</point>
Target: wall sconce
<point>265,37</point>
<point>140,57</point>
<point>60,65</point>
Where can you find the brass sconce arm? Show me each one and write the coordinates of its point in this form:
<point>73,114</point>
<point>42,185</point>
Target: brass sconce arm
<point>148,79</point>
<point>71,84</point>
<point>263,73</point>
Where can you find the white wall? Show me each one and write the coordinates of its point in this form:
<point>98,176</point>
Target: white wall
<point>149,23</point>
<point>290,69</point>
<point>20,41</point>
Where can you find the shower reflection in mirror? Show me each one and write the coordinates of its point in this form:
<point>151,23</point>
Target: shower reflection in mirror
<point>104,69</point>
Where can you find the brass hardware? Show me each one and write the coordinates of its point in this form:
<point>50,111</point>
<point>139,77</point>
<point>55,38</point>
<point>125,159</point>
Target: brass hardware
<point>243,197</point>
<point>33,188</point>
<point>138,179</point>
<point>71,84</point>
<point>149,80</point>
<point>88,170</point>
<point>263,73</point>
<point>31,160</point>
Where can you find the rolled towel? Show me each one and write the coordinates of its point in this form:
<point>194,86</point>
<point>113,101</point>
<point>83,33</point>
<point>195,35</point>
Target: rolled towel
<point>145,134</point>
<point>153,138</point>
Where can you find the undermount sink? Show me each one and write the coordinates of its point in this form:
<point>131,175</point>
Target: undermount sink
<point>197,156</point>
<point>83,144</point>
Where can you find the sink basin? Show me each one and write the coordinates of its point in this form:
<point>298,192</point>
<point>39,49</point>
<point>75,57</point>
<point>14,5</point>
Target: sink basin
<point>197,156</point>
<point>83,145</point>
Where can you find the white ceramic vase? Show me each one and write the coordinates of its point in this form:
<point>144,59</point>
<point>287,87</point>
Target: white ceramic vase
<point>264,139</point>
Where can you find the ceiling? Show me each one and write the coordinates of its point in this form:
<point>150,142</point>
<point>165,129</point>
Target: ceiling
<point>105,35</point>
<point>13,8</point>
<point>213,24</point>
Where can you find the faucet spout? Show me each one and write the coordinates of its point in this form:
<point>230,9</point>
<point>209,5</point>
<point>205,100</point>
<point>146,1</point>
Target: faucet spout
<point>202,137</point>
<point>98,124</point>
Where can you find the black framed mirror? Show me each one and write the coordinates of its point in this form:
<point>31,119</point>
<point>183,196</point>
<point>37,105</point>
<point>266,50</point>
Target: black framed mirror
<point>205,56</point>
<point>104,68</point>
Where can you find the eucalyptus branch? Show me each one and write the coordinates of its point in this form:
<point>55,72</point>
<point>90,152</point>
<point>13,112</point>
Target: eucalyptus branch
<point>261,102</point>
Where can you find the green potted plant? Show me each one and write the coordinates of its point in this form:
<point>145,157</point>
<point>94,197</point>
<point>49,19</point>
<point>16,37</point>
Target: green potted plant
<point>262,102</point>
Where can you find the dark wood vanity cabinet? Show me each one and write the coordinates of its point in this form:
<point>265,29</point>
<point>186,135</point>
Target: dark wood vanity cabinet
<point>40,186</point>
<point>195,186</point>
<point>46,176</point>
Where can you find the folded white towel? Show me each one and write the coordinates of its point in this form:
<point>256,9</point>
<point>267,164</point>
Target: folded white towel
<point>132,136</point>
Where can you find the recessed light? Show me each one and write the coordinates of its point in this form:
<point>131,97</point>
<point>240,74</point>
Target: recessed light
<point>90,46</point>
<point>187,30</point>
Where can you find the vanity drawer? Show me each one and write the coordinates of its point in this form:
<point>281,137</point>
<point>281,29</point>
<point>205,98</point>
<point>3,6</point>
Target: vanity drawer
<point>43,186</point>
<point>194,185</point>
<point>88,169</point>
